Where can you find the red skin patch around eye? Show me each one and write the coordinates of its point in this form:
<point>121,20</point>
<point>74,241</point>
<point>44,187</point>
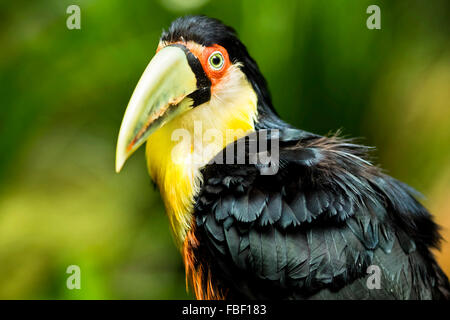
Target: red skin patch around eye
<point>214,75</point>
<point>203,54</point>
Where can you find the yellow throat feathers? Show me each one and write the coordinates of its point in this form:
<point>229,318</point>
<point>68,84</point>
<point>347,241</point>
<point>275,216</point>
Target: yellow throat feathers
<point>177,151</point>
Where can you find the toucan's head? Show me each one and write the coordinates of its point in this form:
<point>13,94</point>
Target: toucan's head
<point>199,63</point>
<point>200,86</point>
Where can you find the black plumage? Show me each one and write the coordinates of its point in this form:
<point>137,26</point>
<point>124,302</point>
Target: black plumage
<point>314,228</point>
<point>311,230</point>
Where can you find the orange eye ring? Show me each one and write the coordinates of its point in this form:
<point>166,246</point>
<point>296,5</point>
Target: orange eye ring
<point>215,62</point>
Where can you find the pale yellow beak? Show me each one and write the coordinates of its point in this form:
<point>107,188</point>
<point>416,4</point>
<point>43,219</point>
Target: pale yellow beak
<point>167,80</point>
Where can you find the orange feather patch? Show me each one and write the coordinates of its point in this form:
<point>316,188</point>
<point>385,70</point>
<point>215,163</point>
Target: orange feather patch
<point>198,273</point>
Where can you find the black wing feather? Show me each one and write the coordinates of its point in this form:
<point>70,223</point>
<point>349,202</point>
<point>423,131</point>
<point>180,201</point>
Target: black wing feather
<point>312,229</point>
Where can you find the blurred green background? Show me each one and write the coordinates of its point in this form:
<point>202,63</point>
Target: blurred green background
<point>63,93</point>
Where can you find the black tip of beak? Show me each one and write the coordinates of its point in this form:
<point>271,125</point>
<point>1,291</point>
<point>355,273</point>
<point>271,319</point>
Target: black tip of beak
<point>203,92</point>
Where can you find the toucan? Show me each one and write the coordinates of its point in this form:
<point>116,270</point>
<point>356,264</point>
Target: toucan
<point>258,208</point>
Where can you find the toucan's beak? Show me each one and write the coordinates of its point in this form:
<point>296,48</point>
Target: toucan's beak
<point>165,83</point>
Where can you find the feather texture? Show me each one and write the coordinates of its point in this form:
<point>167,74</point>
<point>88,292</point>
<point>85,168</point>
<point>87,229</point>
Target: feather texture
<point>311,230</point>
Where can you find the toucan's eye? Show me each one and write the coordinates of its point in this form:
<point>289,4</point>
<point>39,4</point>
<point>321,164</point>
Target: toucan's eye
<point>216,60</point>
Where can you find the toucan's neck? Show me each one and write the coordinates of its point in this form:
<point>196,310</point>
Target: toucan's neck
<point>267,116</point>
<point>268,119</point>
<point>177,151</point>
